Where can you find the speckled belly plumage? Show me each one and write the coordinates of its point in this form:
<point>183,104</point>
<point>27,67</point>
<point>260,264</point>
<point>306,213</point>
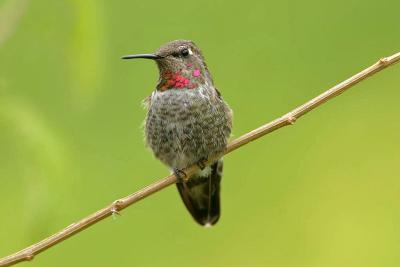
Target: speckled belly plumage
<point>185,126</point>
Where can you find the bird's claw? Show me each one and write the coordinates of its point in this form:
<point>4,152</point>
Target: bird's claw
<point>202,163</point>
<point>181,176</point>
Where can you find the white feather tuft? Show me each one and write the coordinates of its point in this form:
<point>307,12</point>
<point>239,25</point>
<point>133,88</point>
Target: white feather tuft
<point>205,172</point>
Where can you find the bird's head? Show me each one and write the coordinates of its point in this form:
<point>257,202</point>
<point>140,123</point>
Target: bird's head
<point>180,63</point>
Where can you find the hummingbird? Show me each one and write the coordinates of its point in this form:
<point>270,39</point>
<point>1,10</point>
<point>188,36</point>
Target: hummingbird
<point>187,123</point>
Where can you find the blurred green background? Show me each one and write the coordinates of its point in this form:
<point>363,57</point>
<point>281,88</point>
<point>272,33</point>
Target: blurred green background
<point>322,193</point>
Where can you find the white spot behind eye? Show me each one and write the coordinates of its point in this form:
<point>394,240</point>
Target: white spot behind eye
<point>190,51</point>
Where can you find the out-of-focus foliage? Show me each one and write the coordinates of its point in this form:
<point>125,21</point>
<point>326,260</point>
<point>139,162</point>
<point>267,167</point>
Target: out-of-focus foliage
<point>322,193</point>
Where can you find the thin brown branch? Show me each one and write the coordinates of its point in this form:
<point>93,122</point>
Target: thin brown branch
<point>120,204</point>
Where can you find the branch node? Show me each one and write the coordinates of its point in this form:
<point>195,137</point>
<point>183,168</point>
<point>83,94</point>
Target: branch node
<point>291,119</point>
<point>384,61</point>
<point>29,256</point>
<point>116,207</point>
<point>115,212</point>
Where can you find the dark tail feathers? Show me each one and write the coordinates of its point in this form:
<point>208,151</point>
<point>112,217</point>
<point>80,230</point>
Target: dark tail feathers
<point>201,195</point>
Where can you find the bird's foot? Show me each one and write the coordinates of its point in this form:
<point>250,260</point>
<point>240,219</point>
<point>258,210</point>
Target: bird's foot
<point>181,176</point>
<point>202,163</point>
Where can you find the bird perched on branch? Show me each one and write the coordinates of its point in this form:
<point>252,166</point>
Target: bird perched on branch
<point>188,123</point>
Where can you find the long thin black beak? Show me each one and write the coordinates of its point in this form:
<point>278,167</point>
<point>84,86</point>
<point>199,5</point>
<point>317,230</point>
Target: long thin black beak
<point>148,56</point>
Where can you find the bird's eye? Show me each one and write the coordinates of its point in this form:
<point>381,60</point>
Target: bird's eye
<point>185,52</point>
